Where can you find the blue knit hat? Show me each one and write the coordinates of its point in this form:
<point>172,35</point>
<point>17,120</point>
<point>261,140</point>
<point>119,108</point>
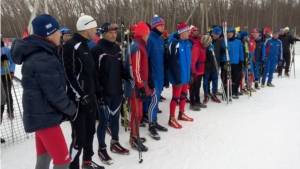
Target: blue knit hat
<point>244,34</point>
<point>232,30</point>
<point>44,25</point>
<point>64,30</point>
<point>107,26</point>
<point>157,21</point>
<point>216,30</point>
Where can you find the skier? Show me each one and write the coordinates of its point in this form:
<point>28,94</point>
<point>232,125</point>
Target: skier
<point>272,52</point>
<point>45,101</point>
<point>142,86</point>
<point>194,35</point>
<point>65,34</point>
<point>179,74</point>
<point>166,55</point>
<point>197,67</point>
<point>287,40</point>
<point>258,59</point>
<point>211,70</point>
<point>155,53</point>
<point>235,50</point>
<point>111,72</point>
<point>216,33</point>
<point>6,80</point>
<point>81,72</point>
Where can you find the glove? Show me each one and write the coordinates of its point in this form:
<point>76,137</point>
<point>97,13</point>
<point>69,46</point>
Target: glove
<point>66,118</point>
<point>12,75</point>
<point>225,47</point>
<point>211,48</point>
<point>178,85</point>
<point>151,84</point>
<point>143,95</point>
<point>4,57</point>
<point>101,99</point>
<point>84,100</point>
<point>132,81</point>
<point>191,80</point>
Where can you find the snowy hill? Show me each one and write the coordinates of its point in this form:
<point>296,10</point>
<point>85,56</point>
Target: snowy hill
<point>257,133</point>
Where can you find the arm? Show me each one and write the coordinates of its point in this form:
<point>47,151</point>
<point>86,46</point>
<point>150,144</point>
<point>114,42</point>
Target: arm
<point>264,52</point>
<point>173,62</point>
<point>136,63</point>
<point>70,66</point>
<point>280,51</point>
<point>49,79</point>
<point>12,65</point>
<point>195,55</point>
<point>241,52</point>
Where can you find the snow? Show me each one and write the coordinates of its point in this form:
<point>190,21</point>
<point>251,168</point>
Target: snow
<point>257,133</point>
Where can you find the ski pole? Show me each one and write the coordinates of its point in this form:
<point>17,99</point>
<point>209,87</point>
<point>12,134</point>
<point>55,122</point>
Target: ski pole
<point>136,103</point>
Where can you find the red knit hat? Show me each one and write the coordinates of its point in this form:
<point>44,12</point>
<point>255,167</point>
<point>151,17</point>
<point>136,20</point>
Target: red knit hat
<point>165,34</point>
<point>182,27</point>
<point>132,29</point>
<point>193,29</point>
<point>142,29</point>
<point>254,31</point>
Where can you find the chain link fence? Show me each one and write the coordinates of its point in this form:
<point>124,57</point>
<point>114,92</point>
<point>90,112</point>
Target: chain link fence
<point>12,130</point>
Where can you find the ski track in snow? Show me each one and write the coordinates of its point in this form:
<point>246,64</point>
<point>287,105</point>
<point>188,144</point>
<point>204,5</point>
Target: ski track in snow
<point>257,133</point>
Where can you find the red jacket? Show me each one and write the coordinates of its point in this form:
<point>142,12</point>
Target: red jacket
<point>140,64</point>
<point>252,46</point>
<point>198,58</point>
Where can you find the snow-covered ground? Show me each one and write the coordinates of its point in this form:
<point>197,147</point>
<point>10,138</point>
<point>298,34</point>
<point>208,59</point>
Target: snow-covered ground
<point>257,133</point>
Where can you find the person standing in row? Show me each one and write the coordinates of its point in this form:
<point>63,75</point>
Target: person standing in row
<point>81,72</point>
<point>179,72</point>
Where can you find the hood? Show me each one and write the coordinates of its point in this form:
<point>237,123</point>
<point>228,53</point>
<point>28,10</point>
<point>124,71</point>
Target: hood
<point>21,48</point>
<point>174,38</point>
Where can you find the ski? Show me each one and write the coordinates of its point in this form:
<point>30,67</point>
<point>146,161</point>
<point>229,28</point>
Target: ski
<point>217,67</point>
<point>124,100</point>
<point>247,61</point>
<point>228,67</point>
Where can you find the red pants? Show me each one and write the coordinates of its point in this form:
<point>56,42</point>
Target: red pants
<point>179,94</point>
<point>52,141</point>
<point>136,108</point>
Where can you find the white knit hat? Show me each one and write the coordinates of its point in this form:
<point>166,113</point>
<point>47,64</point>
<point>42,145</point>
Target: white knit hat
<point>287,28</point>
<point>85,22</point>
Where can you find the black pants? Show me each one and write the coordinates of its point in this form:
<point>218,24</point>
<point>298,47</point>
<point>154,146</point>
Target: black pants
<point>7,85</point>
<point>287,59</point>
<point>83,130</point>
<point>235,77</point>
<point>195,90</point>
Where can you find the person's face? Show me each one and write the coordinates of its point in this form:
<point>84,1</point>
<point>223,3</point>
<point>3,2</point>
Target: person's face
<point>230,34</point>
<point>145,37</point>
<point>195,33</point>
<point>255,35</point>
<point>66,37</point>
<point>55,38</point>
<point>282,32</point>
<point>269,33</point>
<point>215,36</point>
<point>110,35</point>
<point>92,33</point>
<point>185,35</point>
<point>286,31</point>
<point>161,28</point>
<point>275,35</point>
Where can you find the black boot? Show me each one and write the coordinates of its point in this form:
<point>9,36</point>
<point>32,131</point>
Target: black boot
<point>153,133</point>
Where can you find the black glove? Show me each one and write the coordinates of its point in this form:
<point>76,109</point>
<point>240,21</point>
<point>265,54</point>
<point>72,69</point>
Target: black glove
<point>85,100</point>
<point>66,118</point>
<point>86,103</point>
<point>151,84</point>
<point>4,57</point>
<point>101,99</point>
<point>143,95</point>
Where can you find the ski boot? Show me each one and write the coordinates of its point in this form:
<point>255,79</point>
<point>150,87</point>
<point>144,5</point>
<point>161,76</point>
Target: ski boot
<point>137,145</point>
<point>206,98</point>
<point>152,132</point>
<point>103,155</point>
<point>214,98</point>
<point>201,105</point>
<point>184,117</point>
<point>91,165</point>
<point>158,127</point>
<point>270,85</point>
<point>173,123</point>
<point>115,147</point>
<point>194,108</point>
